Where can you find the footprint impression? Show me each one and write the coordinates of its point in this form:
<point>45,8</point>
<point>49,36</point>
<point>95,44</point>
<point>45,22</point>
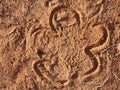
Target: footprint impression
<point>63,17</point>
<point>99,39</point>
<point>53,64</point>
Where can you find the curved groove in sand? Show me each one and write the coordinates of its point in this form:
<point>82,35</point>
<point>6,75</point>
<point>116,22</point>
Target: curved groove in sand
<point>41,71</point>
<point>90,51</point>
<point>55,10</point>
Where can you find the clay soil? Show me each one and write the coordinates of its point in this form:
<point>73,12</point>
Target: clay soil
<point>59,44</point>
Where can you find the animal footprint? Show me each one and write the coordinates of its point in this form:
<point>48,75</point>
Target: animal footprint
<point>63,17</point>
<point>55,71</point>
<point>93,51</point>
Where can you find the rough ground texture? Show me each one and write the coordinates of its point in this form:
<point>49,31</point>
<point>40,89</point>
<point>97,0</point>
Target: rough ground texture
<point>59,44</point>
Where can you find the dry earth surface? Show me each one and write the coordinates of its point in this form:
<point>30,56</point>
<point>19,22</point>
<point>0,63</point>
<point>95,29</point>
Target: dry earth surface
<point>59,44</point>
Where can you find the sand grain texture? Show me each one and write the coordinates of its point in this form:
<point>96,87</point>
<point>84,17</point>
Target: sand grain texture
<point>59,44</point>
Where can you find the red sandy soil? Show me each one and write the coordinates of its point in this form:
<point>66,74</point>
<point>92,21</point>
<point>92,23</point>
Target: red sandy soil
<point>59,44</point>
